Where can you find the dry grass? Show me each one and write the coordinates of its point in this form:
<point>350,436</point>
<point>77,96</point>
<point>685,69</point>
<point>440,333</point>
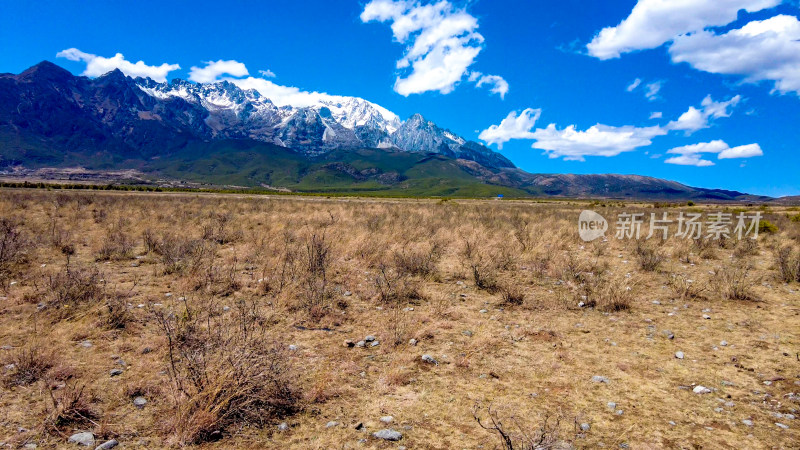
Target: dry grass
<point>229,313</point>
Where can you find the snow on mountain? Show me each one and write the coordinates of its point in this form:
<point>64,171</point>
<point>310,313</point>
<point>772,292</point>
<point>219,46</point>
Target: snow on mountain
<point>323,123</point>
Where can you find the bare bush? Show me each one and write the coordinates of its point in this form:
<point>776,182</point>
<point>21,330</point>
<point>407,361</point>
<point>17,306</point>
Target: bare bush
<point>515,434</point>
<point>13,246</point>
<point>685,288</point>
<point>225,374</point>
<point>735,282</point>
<point>317,261</point>
<point>73,285</point>
<point>27,365</point>
<point>788,264</point>
<point>421,262</point>
<point>650,258</point>
<point>70,407</point>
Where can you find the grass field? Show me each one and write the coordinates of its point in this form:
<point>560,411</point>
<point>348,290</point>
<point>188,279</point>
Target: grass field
<point>242,322</point>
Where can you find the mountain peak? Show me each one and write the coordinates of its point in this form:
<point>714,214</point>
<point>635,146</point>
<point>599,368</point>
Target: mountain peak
<point>47,70</point>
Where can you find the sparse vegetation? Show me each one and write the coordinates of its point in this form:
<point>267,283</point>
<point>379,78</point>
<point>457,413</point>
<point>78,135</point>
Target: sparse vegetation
<point>227,316</point>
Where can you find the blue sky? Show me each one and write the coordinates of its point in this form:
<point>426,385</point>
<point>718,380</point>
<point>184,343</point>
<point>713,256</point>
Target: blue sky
<point>723,74</point>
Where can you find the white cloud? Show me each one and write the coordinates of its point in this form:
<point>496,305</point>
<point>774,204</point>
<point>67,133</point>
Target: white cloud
<point>281,95</point>
<point>656,115</point>
<point>696,119</point>
<point>100,65</point>
<point>742,151</point>
<point>634,84</point>
<point>213,70</point>
<point>598,140</point>
<point>442,44</point>
<point>651,93</point>
<point>691,155</point>
<point>512,127</point>
<point>693,159</point>
<point>267,73</point>
<point>498,84</point>
<point>652,23</point>
<point>766,50</point>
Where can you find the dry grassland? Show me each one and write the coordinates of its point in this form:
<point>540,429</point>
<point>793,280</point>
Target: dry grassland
<point>231,316</point>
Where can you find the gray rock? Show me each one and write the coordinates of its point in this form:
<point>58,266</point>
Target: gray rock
<point>723,343</point>
<point>748,422</point>
<point>361,344</point>
<point>387,419</point>
<point>599,379</point>
<point>331,424</point>
<point>412,342</point>
<point>611,405</point>
<point>85,438</point>
<point>388,435</point>
<point>293,347</point>
<point>780,425</point>
<point>467,333</point>
<point>375,343</point>
<point>701,390</point>
<point>347,293</point>
<point>283,426</point>
<point>139,402</point>
<point>706,316</point>
<point>585,427</point>
<point>483,311</point>
<point>668,334</point>
<point>679,355</point>
<point>107,445</point>
<point>429,359</point>
<point>115,372</point>
<point>369,338</point>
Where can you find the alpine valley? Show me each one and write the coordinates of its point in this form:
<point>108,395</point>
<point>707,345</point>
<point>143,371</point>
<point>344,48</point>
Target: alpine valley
<point>222,135</point>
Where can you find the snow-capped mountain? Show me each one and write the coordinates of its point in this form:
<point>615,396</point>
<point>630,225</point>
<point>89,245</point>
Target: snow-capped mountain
<point>333,122</point>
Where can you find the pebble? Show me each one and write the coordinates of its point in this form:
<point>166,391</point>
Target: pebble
<point>375,343</point>
<point>412,342</point>
<point>429,359</point>
<point>780,425</point>
<point>599,379</point>
<point>139,402</point>
<point>701,390</point>
<point>331,424</point>
<point>387,419</point>
<point>293,347</point>
<point>611,405</point>
<point>115,372</point>
<point>706,316</point>
<point>388,435</point>
<point>748,422</point>
<point>283,426</point>
<point>361,344</point>
<point>668,334</point>
<point>483,311</point>
<point>585,427</point>
<point>467,333</point>
<point>107,445</point>
<point>84,438</point>
<point>679,355</point>
<point>369,338</point>
<point>723,343</point>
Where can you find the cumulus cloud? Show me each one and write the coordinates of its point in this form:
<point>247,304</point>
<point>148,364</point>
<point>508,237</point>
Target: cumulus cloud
<point>512,127</point>
<point>213,70</point>
<point>696,119</point>
<point>605,140</point>
<point>442,43</point>
<point>765,50</point>
<point>692,155</point>
<point>656,115</point>
<point>653,23</point>
<point>100,65</point>
<point>498,85</point>
<point>598,140</point>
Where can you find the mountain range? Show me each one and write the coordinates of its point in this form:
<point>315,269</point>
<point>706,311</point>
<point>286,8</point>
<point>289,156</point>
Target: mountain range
<point>221,134</point>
